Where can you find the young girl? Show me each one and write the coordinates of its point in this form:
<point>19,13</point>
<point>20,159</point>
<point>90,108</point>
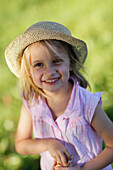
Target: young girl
<point>67,121</point>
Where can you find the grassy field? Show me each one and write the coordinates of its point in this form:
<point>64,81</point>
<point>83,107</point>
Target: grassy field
<point>90,20</point>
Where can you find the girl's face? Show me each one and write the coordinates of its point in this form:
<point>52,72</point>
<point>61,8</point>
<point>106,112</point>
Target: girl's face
<point>49,72</point>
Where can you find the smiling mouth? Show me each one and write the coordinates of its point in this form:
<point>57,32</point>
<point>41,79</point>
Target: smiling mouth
<point>51,80</point>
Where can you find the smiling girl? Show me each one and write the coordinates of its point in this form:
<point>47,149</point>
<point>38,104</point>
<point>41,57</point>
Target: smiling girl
<point>67,120</point>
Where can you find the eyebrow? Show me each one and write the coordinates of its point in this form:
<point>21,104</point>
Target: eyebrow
<point>35,61</point>
<point>58,56</point>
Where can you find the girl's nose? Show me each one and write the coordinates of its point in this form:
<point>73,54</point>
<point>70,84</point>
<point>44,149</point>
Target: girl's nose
<point>50,70</point>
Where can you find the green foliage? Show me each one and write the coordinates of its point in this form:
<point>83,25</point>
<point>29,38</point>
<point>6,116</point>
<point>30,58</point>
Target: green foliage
<point>89,20</point>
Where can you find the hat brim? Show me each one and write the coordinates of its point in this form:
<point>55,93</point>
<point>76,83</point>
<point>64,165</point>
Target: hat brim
<point>16,48</point>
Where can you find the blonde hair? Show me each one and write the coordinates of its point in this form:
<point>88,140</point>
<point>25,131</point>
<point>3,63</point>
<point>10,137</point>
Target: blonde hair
<point>27,86</point>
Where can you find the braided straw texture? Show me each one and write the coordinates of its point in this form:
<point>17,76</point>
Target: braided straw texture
<point>41,31</point>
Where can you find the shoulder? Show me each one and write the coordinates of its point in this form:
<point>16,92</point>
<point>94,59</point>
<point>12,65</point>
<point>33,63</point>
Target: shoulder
<point>33,104</point>
<point>103,125</point>
<point>90,97</point>
<point>89,102</point>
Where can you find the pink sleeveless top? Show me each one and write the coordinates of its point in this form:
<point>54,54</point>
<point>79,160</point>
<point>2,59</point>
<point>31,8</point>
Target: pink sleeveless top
<point>71,128</point>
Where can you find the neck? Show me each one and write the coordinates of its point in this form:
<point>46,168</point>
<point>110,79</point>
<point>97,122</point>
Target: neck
<point>59,101</point>
<point>57,96</point>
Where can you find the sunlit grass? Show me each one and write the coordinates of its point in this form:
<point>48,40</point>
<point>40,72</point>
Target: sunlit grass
<point>89,20</point>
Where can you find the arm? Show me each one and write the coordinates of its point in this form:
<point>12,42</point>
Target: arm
<point>104,127</point>
<point>24,143</point>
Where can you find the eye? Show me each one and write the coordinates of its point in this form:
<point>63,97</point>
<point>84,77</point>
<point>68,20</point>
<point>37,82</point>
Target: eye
<point>57,61</point>
<point>38,65</point>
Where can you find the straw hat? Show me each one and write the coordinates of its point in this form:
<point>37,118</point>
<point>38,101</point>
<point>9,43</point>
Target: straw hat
<point>41,31</point>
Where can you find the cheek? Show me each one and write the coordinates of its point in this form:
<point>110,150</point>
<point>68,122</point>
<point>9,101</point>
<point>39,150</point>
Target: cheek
<point>36,77</point>
<point>65,72</point>
<point>65,69</point>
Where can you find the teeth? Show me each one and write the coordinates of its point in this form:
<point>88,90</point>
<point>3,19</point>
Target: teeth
<point>50,81</point>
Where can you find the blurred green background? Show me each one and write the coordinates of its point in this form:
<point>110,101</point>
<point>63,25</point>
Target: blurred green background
<point>90,20</point>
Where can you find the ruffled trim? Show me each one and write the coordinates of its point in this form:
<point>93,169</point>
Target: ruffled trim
<point>94,99</point>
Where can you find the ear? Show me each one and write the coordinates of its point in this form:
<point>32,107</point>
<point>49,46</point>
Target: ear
<point>70,69</point>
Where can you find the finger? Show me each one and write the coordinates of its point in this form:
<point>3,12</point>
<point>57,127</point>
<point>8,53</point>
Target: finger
<point>54,163</point>
<point>59,160</point>
<point>67,154</point>
<point>62,168</point>
<point>64,159</point>
<point>58,168</point>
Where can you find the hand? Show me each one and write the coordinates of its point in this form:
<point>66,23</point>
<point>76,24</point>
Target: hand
<point>58,151</point>
<point>68,168</point>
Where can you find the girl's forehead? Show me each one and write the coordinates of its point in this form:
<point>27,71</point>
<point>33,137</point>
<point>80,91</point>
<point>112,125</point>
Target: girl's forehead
<point>39,49</point>
<point>34,46</point>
